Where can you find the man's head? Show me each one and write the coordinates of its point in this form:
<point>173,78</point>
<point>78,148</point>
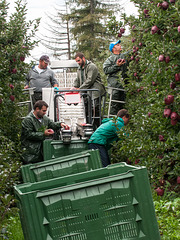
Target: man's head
<point>115,47</point>
<point>123,113</point>
<point>40,108</point>
<point>44,61</point>
<point>80,59</point>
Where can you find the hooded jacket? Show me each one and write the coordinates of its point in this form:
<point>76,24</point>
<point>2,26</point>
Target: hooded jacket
<point>32,136</point>
<point>107,132</point>
<point>45,79</point>
<point>89,78</point>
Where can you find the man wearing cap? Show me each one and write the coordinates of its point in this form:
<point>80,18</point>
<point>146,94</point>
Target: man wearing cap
<point>40,77</point>
<point>115,67</point>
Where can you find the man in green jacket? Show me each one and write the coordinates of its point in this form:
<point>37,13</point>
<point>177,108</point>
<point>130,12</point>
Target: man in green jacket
<point>115,67</point>
<point>88,77</point>
<point>35,128</point>
<point>107,133</point>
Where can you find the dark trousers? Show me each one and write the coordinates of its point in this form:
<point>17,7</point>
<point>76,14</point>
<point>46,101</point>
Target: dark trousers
<point>103,153</point>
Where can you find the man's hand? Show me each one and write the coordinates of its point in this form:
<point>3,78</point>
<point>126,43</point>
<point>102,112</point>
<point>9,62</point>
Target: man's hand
<point>26,87</point>
<point>120,62</point>
<point>63,125</point>
<point>48,132</point>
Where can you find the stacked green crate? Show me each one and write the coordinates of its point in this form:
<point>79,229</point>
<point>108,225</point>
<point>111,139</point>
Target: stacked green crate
<point>56,148</point>
<point>62,166</point>
<point>103,204</point>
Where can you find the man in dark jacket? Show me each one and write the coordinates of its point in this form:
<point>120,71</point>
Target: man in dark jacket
<point>40,76</point>
<point>107,133</point>
<point>115,67</point>
<point>35,128</point>
<point>88,77</point>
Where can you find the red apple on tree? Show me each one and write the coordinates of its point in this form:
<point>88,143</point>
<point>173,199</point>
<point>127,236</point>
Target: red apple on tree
<point>167,112</point>
<point>178,180</point>
<point>169,99</point>
<point>11,86</point>
<point>122,30</point>
<point>164,5</point>
<point>161,138</point>
<point>160,191</point>
<point>154,29</point>
<point>174,116</point>
<point>179,29</point>
<point>0,100</point>
<point>161,58</point>
<point>177,77</point>
<point>12,98</point>
<point>172,85</point>
<point>167,59</point>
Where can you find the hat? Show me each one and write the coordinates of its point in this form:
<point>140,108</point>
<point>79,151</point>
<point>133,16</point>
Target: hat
<point>111,45</point>
<point>44,58</point>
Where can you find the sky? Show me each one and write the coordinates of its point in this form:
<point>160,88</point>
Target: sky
<point>39,9</point>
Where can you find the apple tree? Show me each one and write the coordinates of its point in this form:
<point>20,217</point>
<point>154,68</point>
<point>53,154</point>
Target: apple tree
<point>16,40</point>
<point>153,98</point>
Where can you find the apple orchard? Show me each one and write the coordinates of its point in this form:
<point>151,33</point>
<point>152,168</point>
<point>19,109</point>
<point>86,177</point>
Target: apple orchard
<point>153,93</point>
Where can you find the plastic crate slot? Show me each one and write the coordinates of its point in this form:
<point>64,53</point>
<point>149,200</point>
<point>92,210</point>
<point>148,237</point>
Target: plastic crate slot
<point>91,217</point>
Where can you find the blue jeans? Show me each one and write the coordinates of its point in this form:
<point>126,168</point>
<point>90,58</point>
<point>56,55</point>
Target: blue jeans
<point>103,153</point>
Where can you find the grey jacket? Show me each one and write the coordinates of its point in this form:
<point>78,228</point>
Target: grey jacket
<point>45,79</point>
<point>89,78</point>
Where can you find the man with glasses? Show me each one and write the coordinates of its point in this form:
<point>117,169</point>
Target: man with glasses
<point>40,76</point>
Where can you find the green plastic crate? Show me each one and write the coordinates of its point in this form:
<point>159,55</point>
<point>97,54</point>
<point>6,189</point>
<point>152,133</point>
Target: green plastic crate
<point>56,148</point>
<point>59,167</point>
<point>105,204</point>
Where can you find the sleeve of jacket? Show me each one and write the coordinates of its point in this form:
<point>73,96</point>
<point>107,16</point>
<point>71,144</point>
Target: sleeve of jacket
<point>91,75</point>
<point>29,132</point>
<point>53,79</point>
<point>77,82</point>
<point>27,79</point>
<point>111,67</point>
<point>54,125</point>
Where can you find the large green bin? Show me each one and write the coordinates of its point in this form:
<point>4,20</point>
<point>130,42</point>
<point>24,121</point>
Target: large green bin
<point>56,148</point>
<point>104,204</point>
<point>62,166</point>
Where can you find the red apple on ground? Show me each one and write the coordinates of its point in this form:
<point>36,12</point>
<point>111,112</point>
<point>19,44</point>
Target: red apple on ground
<point>135,74</point>
<point>133,40</point>
<point>137,161</point>
<point>119,35</point>
<point>167,112</point>
<point>132,58</point>
<point>154,83</point>
<point>140,44</point>
<point>160,191</point>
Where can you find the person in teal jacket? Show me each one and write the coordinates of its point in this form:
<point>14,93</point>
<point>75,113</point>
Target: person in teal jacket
<point>35,128</point>
<point>107,133</point>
